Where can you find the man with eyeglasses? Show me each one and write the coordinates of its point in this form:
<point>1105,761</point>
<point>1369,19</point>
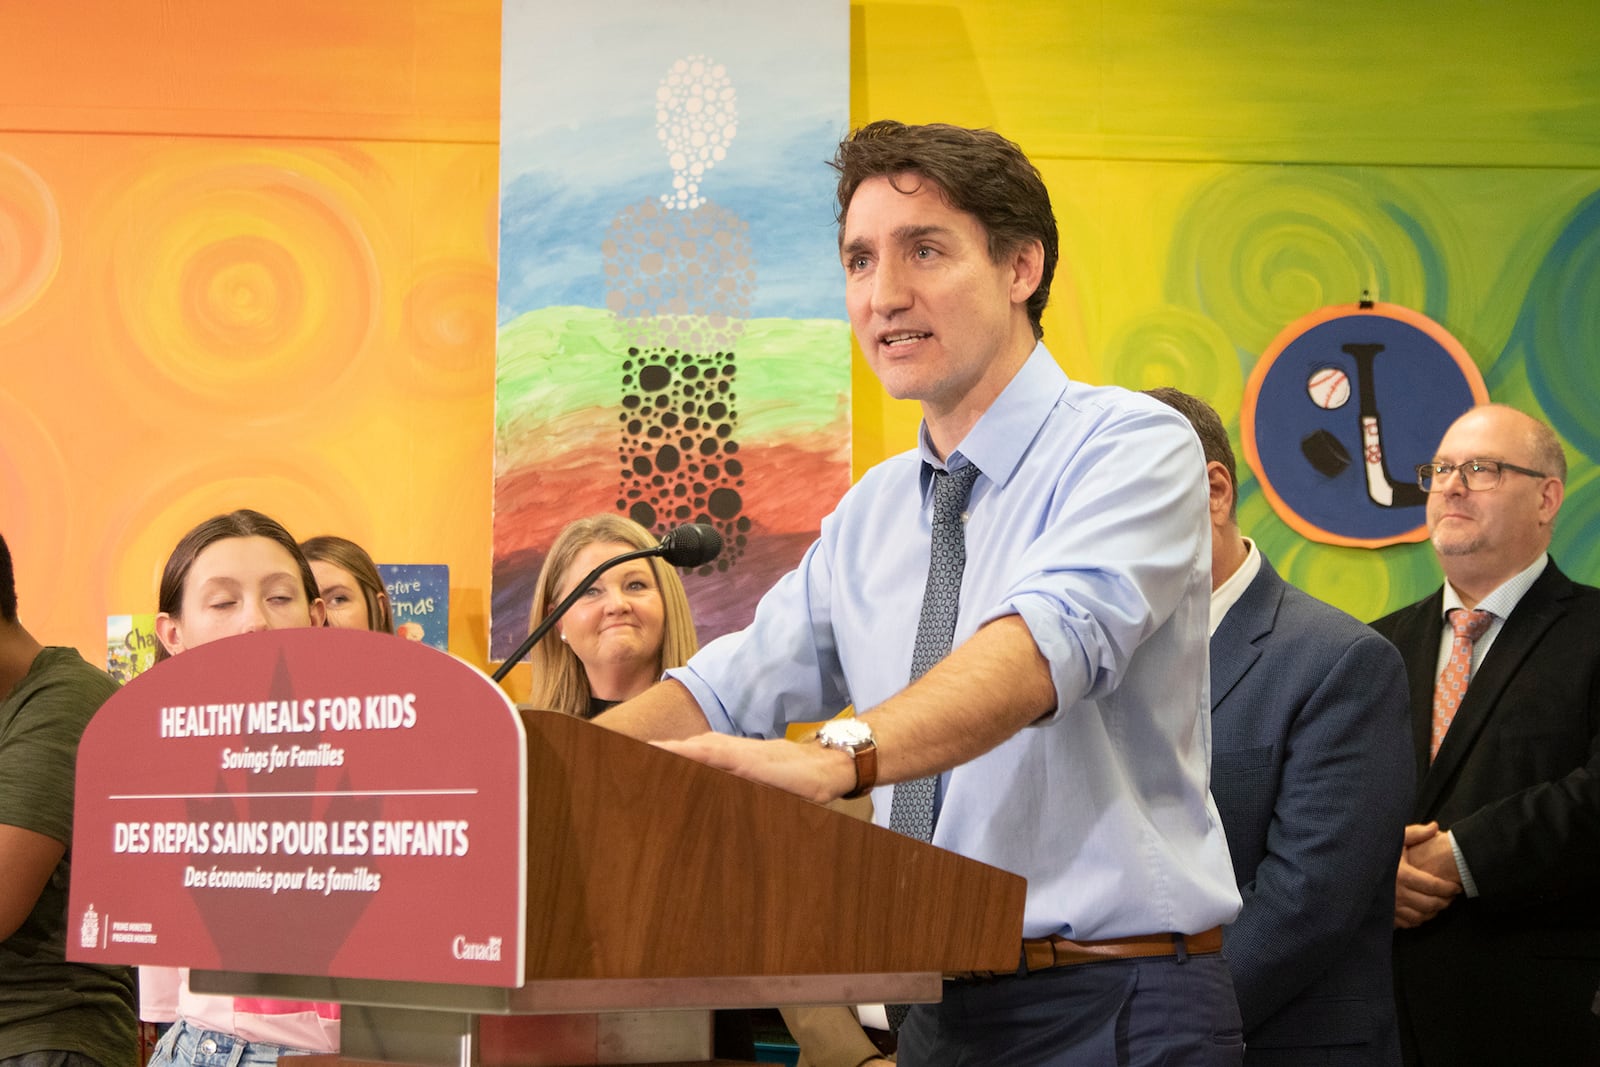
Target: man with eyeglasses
<point>1497,942</point>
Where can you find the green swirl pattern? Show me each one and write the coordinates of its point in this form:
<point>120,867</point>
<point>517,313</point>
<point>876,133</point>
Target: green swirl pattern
<point>1297,239</point>
<point>1181,348</point>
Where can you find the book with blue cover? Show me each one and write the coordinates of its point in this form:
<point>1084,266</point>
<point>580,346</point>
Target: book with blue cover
<point>419,594</point>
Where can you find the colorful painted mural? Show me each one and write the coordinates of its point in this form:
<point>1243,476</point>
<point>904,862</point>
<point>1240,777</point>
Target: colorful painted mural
<point>1496,257</point>
<point>1221,171</point>
<point>671,341</point>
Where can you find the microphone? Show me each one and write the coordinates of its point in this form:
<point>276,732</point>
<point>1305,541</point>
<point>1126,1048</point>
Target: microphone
<point>693,544</point>
<point>690,545</point>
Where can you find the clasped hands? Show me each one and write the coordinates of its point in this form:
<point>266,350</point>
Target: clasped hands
<point>1427,879</point>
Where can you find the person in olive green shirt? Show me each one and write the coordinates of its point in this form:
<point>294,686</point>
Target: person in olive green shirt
<point>52,1013</point>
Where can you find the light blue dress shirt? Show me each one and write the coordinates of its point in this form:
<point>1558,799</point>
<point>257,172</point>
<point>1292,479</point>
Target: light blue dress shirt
<point>1089,521</point>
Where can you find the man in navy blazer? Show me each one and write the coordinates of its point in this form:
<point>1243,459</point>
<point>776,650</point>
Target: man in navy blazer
<point>1311,771</point>
<point>1498,893</point>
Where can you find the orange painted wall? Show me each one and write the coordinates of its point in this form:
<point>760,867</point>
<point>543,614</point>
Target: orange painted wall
<point>247,258</point>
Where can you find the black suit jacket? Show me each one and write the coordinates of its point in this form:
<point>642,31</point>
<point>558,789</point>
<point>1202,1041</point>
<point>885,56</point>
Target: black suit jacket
<point>1508,977</point>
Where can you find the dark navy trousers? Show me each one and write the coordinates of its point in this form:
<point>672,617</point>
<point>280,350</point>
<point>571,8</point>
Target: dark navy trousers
<point>1159,1011</point>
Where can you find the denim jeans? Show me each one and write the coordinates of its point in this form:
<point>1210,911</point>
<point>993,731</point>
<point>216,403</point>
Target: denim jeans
<point>185,1046</point>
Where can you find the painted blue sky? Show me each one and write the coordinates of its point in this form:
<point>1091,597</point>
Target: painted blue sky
<point>579,144</point>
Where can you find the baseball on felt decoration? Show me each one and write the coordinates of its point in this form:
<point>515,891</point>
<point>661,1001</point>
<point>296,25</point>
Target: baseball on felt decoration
<point>1328,387</point>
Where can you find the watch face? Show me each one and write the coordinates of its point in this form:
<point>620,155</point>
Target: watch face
<point>844,733</point>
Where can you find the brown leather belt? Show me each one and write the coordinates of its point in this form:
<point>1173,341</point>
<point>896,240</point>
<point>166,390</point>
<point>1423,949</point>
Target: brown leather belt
<point>1046,953</point>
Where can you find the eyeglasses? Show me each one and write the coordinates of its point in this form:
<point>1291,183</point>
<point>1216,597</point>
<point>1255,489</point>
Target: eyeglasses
<point>1476,474</point>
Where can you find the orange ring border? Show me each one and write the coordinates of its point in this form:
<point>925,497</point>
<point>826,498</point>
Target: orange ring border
<point>1293,332</point>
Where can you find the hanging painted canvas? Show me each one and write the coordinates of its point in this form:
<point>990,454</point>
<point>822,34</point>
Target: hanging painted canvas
<point>671,340</point>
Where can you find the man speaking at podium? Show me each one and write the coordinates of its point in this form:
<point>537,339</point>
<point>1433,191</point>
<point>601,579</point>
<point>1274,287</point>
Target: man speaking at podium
<point>1019,608</point>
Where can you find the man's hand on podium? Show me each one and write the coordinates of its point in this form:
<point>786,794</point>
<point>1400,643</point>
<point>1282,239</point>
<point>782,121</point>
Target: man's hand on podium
<point>809,770</point>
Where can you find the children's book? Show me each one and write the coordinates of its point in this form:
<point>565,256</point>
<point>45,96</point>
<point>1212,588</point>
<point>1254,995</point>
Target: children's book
<point>419,594</point>
<point>130,645</point>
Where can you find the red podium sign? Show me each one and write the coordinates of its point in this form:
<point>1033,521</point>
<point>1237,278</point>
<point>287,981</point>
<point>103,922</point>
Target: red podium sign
<point>320,802</point>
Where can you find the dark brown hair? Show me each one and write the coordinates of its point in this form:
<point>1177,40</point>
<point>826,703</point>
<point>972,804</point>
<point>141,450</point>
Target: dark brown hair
<point>8,585</point>
<point>978,172</point>
<point>241,523</point>
<point>1208,427</point>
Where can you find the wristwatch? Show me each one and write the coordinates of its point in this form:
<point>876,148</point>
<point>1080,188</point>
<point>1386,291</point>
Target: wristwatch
<point>855,737</point>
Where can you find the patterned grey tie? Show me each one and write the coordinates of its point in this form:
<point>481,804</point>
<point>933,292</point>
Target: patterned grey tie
<point>911,812</point>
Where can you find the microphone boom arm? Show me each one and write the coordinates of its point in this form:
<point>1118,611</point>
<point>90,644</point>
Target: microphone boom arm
<point>560,609</point>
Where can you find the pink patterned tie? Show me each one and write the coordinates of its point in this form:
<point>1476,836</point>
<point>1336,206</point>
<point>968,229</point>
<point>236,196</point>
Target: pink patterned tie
<point>1452,685</point>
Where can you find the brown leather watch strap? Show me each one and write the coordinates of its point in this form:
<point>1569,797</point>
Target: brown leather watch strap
<point>866,756</point>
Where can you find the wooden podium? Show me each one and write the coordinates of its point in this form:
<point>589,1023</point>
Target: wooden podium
<point>658,889</point>
<point>340,816</point>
